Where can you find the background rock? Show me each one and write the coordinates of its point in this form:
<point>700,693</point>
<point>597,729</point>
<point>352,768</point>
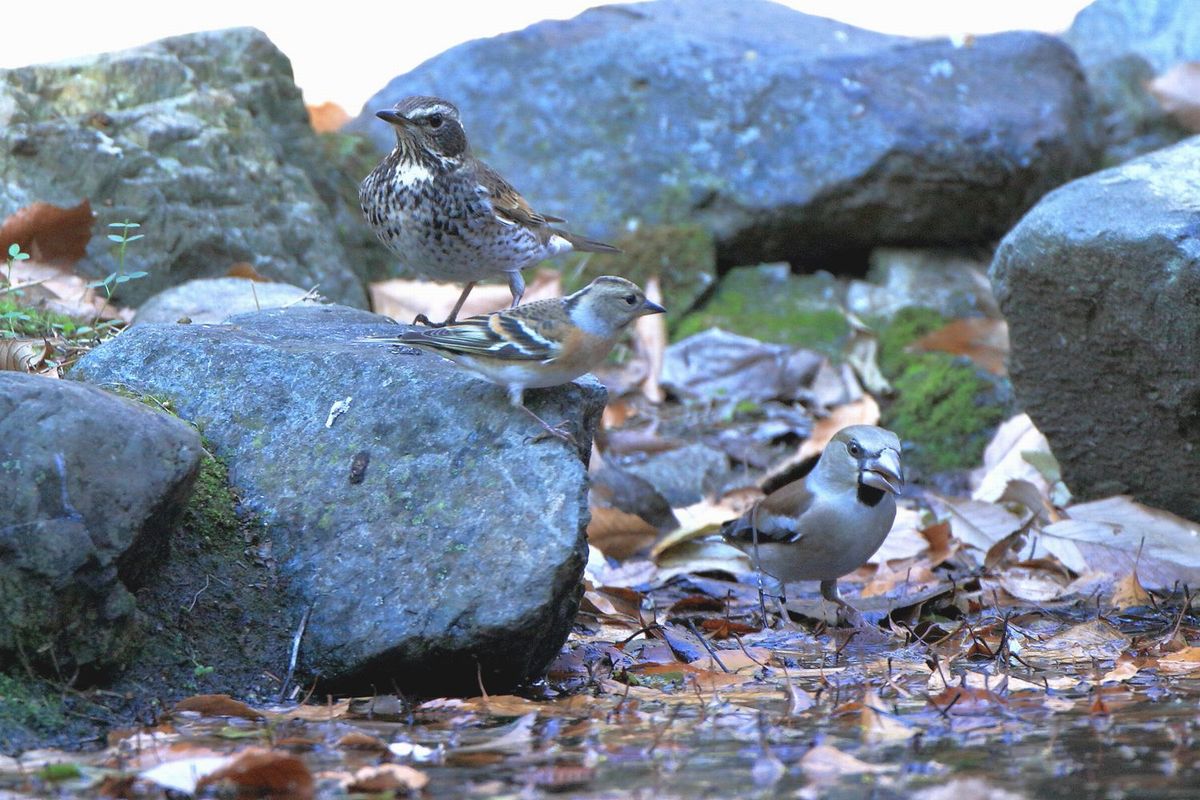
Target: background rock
<point>214,300</point>
<point>953,283</point>
<point>204,140</point>
<point>90,484</point>
<point>789,136</point>
<point>1100,283</point>
<point>1164,32</point>
<point>421,526</point>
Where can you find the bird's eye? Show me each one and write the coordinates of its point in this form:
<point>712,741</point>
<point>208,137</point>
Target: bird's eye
<point>435,121</point>
<point>854,449</point>
<point>630,299</point>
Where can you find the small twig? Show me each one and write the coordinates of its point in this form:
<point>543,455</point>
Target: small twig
<point>196,596</point>
<point>295,655</point>
<point>707,646</point>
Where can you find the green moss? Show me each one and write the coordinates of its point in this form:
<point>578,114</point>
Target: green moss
<point>211,512</point>
<point>944,408</point>
<point>29,704</point>
<point>682,256</point>
<point>770,304</point>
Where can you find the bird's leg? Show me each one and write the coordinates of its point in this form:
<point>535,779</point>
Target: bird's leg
<point>851,614</point>
<point>515,395</point>
<point>421,319</point>
<point>516,285</point>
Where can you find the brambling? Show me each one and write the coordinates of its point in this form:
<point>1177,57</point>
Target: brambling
<point>449,215</point>
<point>828,523</point>
<point>539,344</point>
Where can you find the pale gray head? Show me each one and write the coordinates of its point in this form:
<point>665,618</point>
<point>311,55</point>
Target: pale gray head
<point>865,454</point>
<point>430,123</point>
<point>606,305</point>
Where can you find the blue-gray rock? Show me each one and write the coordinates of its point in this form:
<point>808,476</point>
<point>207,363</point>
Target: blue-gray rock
<point>1100,284</point>
<point>202,139</point>
<point>1164,32</point>
<point>90,484</point>
<point>789,136</point>
<point>215,300</point>
<point>421,523</point>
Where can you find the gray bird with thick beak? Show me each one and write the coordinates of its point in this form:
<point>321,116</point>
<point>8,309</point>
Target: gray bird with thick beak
<point>828,523</point>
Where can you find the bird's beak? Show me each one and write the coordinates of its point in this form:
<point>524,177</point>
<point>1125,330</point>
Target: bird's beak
<point>651,307</point>
<point>388,115</point>
<point>883,472</point>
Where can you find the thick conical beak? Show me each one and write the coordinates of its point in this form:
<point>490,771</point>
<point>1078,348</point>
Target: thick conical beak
<point>883,472</point>
<point>388,115</point>
<point>651,307</point>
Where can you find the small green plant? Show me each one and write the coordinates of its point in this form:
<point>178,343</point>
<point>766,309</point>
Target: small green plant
<point>14,255</point>
<point>115,279</point>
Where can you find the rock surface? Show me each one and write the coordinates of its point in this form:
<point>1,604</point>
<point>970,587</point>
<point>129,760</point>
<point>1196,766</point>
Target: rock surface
<point>214,300</point>
<point>1164,32</point>
<point>423,528</point>
<point>90,484</point>
<point>788,135</point>
<point>202,139</point>
<point>1100,283</point>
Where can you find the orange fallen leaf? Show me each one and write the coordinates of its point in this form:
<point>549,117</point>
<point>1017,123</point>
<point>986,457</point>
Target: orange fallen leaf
<point>218,705</point>
<point>1178,92</point>
<point>619,534</point>
<point>981,339</point>
<point>1129,593</point>
<point>388,778</point>
<point>243,269</point>
<point>327,117</point>
<point>357,740</point>
<point>263,773</point>
<point>49,233</point>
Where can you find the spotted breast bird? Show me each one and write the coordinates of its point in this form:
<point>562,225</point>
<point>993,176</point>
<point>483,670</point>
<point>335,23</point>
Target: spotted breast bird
<point>448,215</point>
<point>539,344</point>
<point>828,523</point>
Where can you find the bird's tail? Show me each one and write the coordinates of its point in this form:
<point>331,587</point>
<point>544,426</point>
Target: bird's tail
<point>585,245</point>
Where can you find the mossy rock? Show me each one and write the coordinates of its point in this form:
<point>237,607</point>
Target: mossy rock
<point>682,255</point>
<point>945,409</point>
<point>771,304</point>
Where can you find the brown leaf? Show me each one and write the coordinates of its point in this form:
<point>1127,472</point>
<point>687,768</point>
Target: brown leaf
<point>650,336</point>
<point>49,233</point>
<point>357,740</point>
<point>264,773</point>
<point>1183,661</point>
<point>1178,92</point>
<point>327,117</point>
<point>22,355</point>
<point>403,299</point>
<point>824,763</point>
<point>388,778</point>
<point>217,705</point>
<point>243,269</point>
<point>619,534</point>
<point>981,339</point>
<point>1129,593</point>
<point>966,700</point>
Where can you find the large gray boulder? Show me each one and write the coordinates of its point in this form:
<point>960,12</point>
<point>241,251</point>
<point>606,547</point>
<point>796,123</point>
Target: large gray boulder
<point>788,135</point>
<point>202,139</point>
<point>1164,32</point>
<point>423,527</point>
<point>1100,284</point>
<point>90,485</point>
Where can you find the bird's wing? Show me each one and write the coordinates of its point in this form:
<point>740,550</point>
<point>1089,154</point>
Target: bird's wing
<point>507,202</point>
<point>508,335</point>
<point>778,516</point>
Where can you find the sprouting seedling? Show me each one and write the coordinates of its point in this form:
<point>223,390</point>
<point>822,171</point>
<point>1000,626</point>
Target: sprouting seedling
<point>14,255</point>
<point>122,241</point>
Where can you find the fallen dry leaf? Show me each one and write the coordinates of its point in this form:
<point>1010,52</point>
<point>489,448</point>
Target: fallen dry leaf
<point>1178,92</point>
<point>619,534</point>
<point>218,705</point>
<point>981,339</point>
<point>650,336</point>
<point>1180,662</point>
<point>1095,639</point>
<point>403,299</point>
<point>23,355</point>
<point>1129,593</point>
<point>387,778</point>
<point>50,234</point>
<point>824,762</point>
<point>263,773</point>
<point>327,117</point>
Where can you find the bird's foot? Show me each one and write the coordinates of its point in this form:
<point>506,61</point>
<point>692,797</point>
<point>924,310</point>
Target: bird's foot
<point>562,431</point>
<point>421,319</point>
